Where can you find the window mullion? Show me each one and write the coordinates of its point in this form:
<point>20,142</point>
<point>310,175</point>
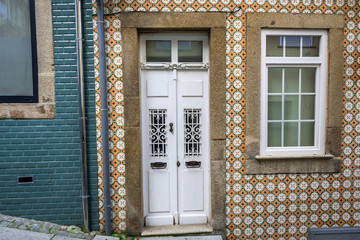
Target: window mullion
<point>299,108</point>
<point>301,46</point>
<point>284,42</point>
<point>282,105</point>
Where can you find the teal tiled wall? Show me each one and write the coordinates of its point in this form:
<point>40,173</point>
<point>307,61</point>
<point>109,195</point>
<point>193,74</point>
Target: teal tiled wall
<point>49,150</point>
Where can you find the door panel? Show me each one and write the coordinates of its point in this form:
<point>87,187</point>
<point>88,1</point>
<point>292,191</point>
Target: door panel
<point>160,220</point>
<point>193,153</point>
<point>159,147</point>
<point>193,189</point>
<point>157,87</point>
<point>159,188</point>
<point>193,218</point>
<point>192,88</point>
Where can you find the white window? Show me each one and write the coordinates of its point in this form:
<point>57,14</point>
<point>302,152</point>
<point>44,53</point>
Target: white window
<point>293,92</point>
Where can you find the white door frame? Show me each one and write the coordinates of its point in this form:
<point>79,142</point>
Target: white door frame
<point>173,209</point>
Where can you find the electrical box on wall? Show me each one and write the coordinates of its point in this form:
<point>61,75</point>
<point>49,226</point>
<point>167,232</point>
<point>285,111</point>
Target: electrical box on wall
<point>342,233</point>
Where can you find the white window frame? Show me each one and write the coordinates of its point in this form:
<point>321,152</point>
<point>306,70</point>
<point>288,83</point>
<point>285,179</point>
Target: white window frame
<point>320,63</point>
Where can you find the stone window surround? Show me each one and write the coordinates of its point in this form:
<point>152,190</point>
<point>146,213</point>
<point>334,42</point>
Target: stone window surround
<point>133,24</point>
<point>330,161</point>
<point>45,108</point>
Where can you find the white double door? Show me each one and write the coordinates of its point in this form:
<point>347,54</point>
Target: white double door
<point>175,138</point>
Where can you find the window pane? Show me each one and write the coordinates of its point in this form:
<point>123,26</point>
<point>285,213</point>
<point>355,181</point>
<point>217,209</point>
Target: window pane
<point>308,107</point>
<point>158,51</point>
<point>190,51</point>
<point>307,134</point>
<point>308,80</point>
<point>291,107</point>
<point>15,48</point>
<point>275,80</point>
<point>274,134</point>
<point>311,46</point>
<point>290,134</point>
<point>274,107</point>
<point>274,46</point>
<point>292,80</point>
<point>292,46</point>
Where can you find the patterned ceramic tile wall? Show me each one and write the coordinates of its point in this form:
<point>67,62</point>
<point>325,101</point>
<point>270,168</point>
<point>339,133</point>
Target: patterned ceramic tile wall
<point>257,206</point>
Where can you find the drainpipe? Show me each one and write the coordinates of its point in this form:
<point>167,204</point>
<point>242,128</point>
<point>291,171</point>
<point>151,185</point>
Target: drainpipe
<point>104,116</point>
<point>82,118</point>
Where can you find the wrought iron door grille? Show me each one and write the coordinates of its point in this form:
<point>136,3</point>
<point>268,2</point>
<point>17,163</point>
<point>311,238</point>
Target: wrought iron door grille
<point>158,144</point>
<point>192,132</point>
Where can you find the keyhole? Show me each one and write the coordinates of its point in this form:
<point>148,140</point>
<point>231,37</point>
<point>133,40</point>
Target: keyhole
<point>171,127</point>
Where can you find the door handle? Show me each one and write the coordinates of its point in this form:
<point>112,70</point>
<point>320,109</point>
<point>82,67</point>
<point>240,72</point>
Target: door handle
<point>171,127</point>
<point>193,164</point>
<point>158,165</point>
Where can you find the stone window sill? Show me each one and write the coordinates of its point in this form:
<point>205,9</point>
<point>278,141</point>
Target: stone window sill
<point>267,164</point>
<point>293,157</point>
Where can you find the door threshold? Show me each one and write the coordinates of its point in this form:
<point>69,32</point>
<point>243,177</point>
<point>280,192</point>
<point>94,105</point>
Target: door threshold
<point>177,230</point>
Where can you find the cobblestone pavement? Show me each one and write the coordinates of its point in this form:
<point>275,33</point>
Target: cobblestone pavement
<point>15,228</point>
<point>45,227</point>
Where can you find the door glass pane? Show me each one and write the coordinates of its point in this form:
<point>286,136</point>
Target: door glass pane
<point>290,134</point>
<point>274,107</point>
<point>192,132</point>
<point>157,128</point>
<point>307,134</point>
<point>292,46</point>
<point>311,46</point>
<point>291,80</point>
<point>308,107</point>
<point>158,50</point>
<point>291,107</point>
<point>190,51</point>
<point>274,134</point>
<point>274,46</point>
<point>275,80</point>
<point>308,80</point>
<point>16,76</point>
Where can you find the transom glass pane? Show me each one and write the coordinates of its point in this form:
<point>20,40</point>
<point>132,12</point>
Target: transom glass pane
<point>292,46</point>
<point>158,50</point>
<point>311,46</point>
<point>295,46</point>
<point>274,46</point>
<point>190,51</point>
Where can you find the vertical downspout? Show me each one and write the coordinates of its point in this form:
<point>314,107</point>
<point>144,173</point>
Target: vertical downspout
<point>104,116</point>
<point>82,118</point>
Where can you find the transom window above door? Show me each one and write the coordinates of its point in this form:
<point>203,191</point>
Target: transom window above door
<point>293,92</point>
<point>189,48</point>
